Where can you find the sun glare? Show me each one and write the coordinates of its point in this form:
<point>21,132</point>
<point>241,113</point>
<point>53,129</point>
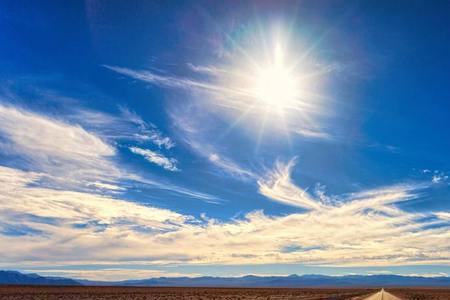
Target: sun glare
<point>275,86</point>
<point>273,81</point>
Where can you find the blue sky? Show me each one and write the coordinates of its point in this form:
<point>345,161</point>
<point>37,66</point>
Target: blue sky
<point>200,138</point>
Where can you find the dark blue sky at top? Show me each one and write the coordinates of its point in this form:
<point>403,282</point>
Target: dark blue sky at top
<point>396,92</point>
<point>390,100</point>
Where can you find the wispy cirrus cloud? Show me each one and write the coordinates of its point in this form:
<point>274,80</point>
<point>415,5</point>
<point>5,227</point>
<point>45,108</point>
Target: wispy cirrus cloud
<point>171,81</point>
<point>56,148</point>
<point>19,127</point>
<point>43,225</point>
<point>192,134</point>
<point>127,126</point>
<point>169,164</point>
<point>363,229</point>
<point>230,166</point>
<point>277,185</point>
<point>235,97</point>
<point>314,133</point>
<point>148,131</point>
<point>69,156</point>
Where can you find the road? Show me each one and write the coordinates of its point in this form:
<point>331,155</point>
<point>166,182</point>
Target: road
<point>382,295</point>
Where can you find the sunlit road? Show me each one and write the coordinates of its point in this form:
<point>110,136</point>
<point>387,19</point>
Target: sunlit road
<point>382,295</point>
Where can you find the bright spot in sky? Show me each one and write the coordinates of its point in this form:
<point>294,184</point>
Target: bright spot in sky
<point>278,82</point>
<point>275,86</point>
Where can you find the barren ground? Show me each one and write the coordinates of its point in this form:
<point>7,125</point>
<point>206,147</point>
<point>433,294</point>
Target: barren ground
<point>421,293</point>
<point>130,293</point>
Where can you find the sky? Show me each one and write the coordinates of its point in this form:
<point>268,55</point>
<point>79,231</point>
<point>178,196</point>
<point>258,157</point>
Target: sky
<point>186,138</point>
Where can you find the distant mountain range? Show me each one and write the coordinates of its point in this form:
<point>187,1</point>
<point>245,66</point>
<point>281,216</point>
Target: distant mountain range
<point>13,277</point>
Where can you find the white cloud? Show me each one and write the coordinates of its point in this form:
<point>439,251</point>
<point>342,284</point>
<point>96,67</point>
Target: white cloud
<point>70,228</point>
<point>430,275</point>
<point>436,179</point>
<point>277,185</point>
<point>41,136</point>
<point>66,153</point>
<point>107,186</point>
<point>76,206</point>
<point>148,131</point>
<point>313,133</point>
<point>169,164</point>
<point>382,272</point>
<point>229,166</point>
<point>68,156</point>
<point>44,226</point>
<point>436,176</point>
<point>443,215</point>
<point>128,126</point>
<point>230,91</point>
<point>159,140</point>
<point>170,81</point>
<point>72,224</point>
<point>206,69</point>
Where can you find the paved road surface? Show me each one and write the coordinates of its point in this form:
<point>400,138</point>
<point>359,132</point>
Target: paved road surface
<point>382,295</point>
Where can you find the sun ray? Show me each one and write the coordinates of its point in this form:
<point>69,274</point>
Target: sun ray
<point>264,81</point>
<point>236,122</point>
<point>261,130</point>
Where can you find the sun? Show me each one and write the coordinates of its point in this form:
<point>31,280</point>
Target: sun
<point>275,85</point>
<point>271,86</point>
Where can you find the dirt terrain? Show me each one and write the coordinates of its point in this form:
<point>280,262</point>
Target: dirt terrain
<point>421,293</point>
<point>129,293</point>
